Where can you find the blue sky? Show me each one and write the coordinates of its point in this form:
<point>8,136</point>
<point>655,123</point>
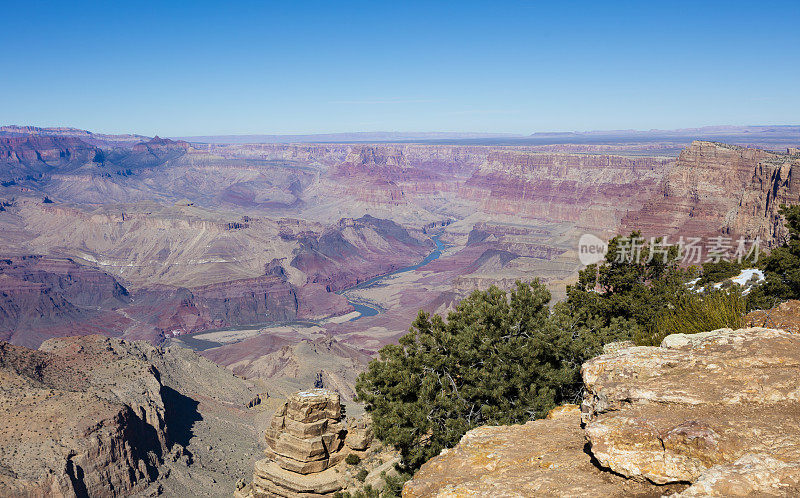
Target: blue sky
<point>194,68</point>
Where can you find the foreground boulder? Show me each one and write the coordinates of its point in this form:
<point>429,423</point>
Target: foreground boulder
<point>713,414</point>
<point>669,414</point>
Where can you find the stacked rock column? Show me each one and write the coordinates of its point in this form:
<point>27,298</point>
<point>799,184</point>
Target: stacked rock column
<point>306,434</point>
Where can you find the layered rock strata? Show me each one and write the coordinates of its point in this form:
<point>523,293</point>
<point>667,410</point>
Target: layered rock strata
<point>305,439</point>
<point>307,442</point>
<point>719,189</point>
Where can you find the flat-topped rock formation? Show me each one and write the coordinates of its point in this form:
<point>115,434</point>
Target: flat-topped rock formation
<point>710,414</point>
<point>304,440</point>
<point>306,434</point>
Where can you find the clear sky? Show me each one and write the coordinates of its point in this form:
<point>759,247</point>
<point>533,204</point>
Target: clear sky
<point>200,68</point>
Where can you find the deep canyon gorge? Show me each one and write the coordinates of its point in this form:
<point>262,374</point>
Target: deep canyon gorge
<point>291,264</point>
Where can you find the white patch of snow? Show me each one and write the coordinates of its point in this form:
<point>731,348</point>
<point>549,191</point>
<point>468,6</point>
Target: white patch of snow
<point>746,275</point>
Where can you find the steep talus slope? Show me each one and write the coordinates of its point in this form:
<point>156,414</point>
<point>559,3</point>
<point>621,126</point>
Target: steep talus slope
<point>709,414</point>
<point>82,285</point>
<point>93,416</point>
<point>287,366</point>
<point>718,189</point>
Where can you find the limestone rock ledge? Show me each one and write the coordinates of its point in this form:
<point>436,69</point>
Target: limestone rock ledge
<point>711,414</point>
<point>669,414</point>
<point>540,458</point>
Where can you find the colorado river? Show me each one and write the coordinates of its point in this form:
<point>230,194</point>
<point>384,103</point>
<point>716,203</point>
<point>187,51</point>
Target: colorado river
<point>200,341</point>
<point>367,310</point>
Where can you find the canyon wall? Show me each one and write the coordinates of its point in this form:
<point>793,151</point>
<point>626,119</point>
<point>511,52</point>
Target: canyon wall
<point>207,236</point>
<point>78,421</point>
<point>94,416</point>
<point>590,190</point>
<point>718,189</point>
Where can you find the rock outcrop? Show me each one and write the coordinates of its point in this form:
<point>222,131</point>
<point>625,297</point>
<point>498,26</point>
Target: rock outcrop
<point>307,442</point>
<point>667,415</point>
<point>540,458</point>
<point>307,433</point>
<point>720,189</point>
<point>706,415</point>
<point>304,441</point>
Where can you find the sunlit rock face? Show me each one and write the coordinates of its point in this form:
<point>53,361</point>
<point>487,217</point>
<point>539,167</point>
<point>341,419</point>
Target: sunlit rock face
<point>307,441</point>
<point>709,414</point>
<point>719,189</point>
<point>540,458</point>
<point>669,414</point>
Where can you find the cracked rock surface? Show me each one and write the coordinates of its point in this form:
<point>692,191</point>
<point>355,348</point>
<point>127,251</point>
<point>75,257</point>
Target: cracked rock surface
<point>711,414</point>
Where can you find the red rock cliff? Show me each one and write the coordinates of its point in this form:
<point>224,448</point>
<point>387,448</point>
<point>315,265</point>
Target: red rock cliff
<point>718,189</point>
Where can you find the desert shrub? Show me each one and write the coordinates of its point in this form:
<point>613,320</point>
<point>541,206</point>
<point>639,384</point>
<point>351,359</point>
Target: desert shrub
<point>362,475</point>
<point>618,299</point>
<point>394,484</point>
<point>698,313</point>
<point>781,267</point>
<point>352,459</point>
<point>499,358</point>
